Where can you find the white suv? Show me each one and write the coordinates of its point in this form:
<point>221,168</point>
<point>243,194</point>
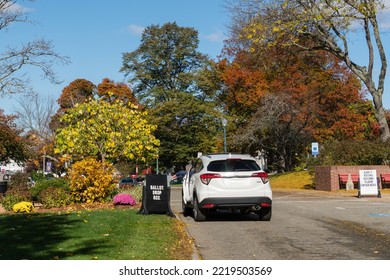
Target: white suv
<point>226,181</point>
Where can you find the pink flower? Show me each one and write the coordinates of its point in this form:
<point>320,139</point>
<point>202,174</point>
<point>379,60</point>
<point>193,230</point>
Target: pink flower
<point>124,199</point>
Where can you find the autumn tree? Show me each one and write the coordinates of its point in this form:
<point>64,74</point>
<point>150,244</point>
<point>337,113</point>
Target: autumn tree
<point>12,144</point>
<point>78,91</point>
<point>245,85</point>
<point>283,99</point>
<point>321,25</point>
<point>286,120</point>
<point>82,90</point>
<point>15,62</point>
<point>108,131</point>
<point>110,91</point>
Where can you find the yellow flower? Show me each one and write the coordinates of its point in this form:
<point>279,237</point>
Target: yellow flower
<point>23,207</point>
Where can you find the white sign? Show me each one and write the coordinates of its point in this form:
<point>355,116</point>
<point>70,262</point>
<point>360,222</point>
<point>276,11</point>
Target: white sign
<point>368,184</point>
<point>314,148</point>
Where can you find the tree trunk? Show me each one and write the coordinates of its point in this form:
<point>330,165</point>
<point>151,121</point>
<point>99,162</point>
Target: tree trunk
<point>380,115</point>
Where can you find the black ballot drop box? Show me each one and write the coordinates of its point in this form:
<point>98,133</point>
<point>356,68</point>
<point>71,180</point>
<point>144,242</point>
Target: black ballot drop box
<point>156,195</point>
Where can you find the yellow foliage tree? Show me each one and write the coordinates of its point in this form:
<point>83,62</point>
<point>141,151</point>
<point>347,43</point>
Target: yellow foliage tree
<point>109,131</point>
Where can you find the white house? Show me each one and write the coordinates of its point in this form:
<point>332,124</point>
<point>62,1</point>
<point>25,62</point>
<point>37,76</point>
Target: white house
<point>11,167</point>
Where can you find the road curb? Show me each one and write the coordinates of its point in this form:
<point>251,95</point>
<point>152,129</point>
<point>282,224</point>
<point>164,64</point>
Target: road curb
<point>195,252</point>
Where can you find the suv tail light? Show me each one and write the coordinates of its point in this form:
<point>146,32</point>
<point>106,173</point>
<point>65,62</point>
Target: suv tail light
<point>206,178</point>
<point>262,175</point>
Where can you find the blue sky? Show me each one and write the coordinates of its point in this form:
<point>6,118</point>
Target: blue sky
<point>94,34</point>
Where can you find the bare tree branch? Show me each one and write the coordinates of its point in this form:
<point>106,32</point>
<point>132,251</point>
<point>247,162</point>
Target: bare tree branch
<point>37,54</point>
<point>34,115</point>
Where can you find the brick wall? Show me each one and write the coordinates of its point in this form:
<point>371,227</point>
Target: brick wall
<point>327,177</point>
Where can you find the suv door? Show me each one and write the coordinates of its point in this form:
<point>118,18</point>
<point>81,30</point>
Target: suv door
<point>194,173</point>
<point>187,195</point>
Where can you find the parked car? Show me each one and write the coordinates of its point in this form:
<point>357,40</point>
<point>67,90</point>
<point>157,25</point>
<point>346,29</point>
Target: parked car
<point>178,177</point>
<point>4,179</point>
<point>127,182</point>
<point>226,181</point>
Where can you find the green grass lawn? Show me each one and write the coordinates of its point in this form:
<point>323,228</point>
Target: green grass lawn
<point>110,234</point>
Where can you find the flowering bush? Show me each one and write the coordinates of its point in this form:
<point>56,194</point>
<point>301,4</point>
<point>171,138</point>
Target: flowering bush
<point>23,207</point>
<point>12,198</point>
<point>91,180</point>
<point>124,199</point>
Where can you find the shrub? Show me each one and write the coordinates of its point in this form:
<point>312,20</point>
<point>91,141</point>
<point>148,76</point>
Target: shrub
<point>19,182</point>
<point>135,192</point>
<point>13,198</point>
<point>23,207</point>
<point>355,152</point>
<point>91,180</point>
<point>54,197</point>
<point>124,199</point>
<point>38,176</point>
<point>45,184</point>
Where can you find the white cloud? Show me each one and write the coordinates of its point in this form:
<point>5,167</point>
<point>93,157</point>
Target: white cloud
<point>135,29</point>
<point>215,37</point>
<point>384,16</point>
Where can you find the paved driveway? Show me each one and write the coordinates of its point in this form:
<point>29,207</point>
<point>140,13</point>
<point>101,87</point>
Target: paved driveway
<point>305,225</point>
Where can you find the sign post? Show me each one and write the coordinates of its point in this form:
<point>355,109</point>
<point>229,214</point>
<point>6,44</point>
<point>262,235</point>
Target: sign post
<point>368,183</point>
<point>156,195</point>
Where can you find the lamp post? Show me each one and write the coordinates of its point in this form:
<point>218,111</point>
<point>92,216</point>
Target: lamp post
<point>224,123</point>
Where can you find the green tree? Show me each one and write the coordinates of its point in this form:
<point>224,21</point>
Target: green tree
<point>321,25</point>
<point>109,131</point>
<point>178,84</point>
<point>186,126</point>
<point>165,63</point>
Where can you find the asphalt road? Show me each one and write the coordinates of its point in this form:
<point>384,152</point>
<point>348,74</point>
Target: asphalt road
<point>305,225</point>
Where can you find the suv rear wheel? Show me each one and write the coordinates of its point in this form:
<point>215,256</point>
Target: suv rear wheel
<point>265,213</point>
<point>199,214</point>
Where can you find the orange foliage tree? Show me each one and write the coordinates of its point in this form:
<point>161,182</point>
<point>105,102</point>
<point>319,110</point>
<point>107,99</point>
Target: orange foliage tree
<point>12,144</point>
<point>82,90</point>
<point>316,99</point>
<point>76,92</point>
<point>332,96</point>
<point>109,90</point>
<point>245,86</point>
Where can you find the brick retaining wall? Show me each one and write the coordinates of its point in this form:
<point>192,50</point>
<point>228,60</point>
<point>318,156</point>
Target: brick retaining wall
<point>327,177</point>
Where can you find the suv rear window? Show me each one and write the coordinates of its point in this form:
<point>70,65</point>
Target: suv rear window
<point>233,165</point>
